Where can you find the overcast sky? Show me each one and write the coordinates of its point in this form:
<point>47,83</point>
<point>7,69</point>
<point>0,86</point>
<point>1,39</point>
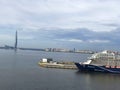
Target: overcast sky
<point>82,24</point>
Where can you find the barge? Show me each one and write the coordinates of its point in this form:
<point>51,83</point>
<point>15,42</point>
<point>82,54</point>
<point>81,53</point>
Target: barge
<point>49,63</point>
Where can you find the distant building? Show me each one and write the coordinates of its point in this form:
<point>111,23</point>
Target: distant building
<point>57,50</point>
<point>16,41</point>
<point>85,51</point>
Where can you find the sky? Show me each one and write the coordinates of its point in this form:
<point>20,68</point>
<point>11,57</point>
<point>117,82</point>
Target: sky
<point>81,24</point>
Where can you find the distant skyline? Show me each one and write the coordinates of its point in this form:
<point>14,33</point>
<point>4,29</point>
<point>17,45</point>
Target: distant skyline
<point>82,24</point>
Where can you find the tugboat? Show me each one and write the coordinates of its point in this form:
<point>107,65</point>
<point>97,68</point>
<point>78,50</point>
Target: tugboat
<point>105,62</point>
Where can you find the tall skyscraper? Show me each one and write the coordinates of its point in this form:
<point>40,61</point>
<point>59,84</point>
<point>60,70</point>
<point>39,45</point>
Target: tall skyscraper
<point>16,41</point>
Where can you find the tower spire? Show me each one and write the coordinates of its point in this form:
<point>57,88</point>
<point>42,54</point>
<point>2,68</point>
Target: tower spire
<point>16,40</point>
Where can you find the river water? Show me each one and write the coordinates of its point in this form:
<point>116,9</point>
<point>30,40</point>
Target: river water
<point>20,71</point>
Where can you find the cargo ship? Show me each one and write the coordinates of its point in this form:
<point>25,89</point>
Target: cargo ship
<point>105,62</point>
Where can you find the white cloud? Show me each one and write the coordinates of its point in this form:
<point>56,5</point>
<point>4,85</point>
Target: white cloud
<point>84,41</point>
<point>75,40</point>
<point>98,41</point>
<point>71,40</point>
<point>60,13</point>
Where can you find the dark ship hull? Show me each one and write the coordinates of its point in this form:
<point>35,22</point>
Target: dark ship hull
<point>96,68</point>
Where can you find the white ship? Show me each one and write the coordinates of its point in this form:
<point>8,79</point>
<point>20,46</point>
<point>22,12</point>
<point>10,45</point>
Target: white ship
<point>105,61</point>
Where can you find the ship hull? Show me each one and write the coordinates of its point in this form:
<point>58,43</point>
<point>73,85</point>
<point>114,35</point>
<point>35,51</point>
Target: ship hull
<point>95,68</point>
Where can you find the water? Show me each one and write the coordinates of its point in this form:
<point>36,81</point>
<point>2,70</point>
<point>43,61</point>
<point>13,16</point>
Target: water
<point>20,71</point>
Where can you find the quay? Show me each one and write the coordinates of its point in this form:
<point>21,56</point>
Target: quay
<point>49,63</point>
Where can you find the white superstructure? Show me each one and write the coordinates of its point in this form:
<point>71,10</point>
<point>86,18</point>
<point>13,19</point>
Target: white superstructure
<point>109,58</point>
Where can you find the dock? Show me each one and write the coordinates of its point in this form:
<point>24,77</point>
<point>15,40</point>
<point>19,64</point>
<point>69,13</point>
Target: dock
<point>49,63</point>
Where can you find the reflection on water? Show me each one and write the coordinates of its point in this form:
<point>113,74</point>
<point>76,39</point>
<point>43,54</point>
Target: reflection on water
<point>20,71</point>
<point>100,81</point>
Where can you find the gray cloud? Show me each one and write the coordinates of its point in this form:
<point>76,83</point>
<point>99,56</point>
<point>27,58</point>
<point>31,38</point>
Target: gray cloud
<point>83,21</point>
<point>60,13</point>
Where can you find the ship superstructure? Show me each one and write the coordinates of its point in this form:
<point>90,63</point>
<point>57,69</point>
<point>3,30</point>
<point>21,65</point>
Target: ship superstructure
<point>106,58</point>
<point>105,61</point>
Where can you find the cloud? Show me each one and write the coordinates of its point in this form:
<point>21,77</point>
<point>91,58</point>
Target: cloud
<point>75,40</point>
<point>26,38</point>
<point>83,35</point>
<point>60,13</point>
<point>73,21</point>
<point>5,37</point>
<point>82,41</point>
<point>98,41</point>
<point>70,40</point>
